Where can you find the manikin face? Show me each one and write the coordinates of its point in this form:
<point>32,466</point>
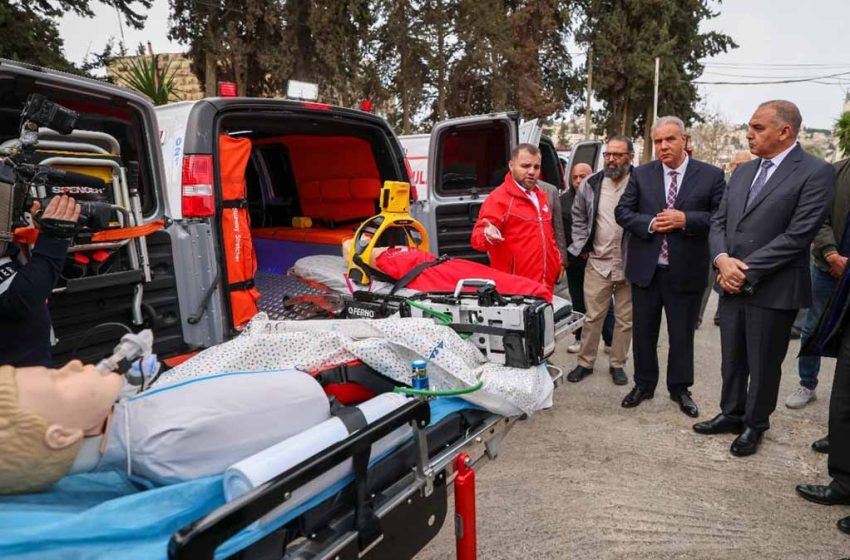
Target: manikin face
<point>525,169</point>
<point>766,135</point>
<point>75,400</point>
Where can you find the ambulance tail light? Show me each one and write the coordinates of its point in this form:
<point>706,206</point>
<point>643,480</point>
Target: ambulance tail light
<point>198,200</point>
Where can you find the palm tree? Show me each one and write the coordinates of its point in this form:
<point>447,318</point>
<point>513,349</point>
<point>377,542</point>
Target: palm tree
<point>842,133</point>
<point>142,73</point>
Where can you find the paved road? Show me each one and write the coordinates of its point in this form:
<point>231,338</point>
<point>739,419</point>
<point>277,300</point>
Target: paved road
<point>590,479</point>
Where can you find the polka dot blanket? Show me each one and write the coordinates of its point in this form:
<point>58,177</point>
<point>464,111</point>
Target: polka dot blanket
<point>387,345</point>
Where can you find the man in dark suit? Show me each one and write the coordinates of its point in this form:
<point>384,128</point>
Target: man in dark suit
<point>667,210</point>
<point>760,237</point>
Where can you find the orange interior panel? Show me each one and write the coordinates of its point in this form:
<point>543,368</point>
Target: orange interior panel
<point>325,236</point>
<point>336,176</point>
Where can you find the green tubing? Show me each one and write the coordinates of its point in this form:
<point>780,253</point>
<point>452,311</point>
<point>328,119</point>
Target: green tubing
<point>446,393</point>
<point>444,318</point>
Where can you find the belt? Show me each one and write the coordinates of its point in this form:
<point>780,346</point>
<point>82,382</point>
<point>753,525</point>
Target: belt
<point>663,266</point>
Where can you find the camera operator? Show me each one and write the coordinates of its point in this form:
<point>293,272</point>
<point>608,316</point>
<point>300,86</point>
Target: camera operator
<point>25,337</point>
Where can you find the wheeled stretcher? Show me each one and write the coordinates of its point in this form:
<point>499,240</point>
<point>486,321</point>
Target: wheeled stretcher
<point>107,515</point>
<point>390,511</point>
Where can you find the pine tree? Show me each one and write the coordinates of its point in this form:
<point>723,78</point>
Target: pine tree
<point>626,36</point>
<point>30,33</point>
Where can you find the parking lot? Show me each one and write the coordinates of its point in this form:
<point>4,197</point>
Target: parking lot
<point>589,479</point>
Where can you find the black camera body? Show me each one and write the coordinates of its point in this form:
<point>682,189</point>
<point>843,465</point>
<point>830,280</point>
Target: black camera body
<point>30,181</point>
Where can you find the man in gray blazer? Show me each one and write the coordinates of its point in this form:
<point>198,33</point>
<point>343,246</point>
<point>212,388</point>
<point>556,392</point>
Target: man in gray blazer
<point>759,241</point>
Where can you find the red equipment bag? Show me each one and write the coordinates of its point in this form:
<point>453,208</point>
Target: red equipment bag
<point>240,259</point>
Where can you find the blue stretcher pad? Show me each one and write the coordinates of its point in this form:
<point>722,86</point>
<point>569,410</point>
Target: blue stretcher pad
<point>106,515</point>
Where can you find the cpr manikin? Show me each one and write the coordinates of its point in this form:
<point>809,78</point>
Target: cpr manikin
<point>169,433</point>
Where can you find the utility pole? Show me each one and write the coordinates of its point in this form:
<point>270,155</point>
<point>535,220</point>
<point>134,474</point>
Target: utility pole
<point>589,93</point>
<point>648,143</point>
<point>655,97</point>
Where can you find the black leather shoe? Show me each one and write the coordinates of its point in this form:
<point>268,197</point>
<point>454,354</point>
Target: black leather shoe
<point>825,495</point>
<point>636,396</point>
<point>747,443</point>
<point>686,403</point>
<point>821,445</point>
<point>844,525</point>
<point>618,375</point>
<point>720,424</point>
<point>579,373</point>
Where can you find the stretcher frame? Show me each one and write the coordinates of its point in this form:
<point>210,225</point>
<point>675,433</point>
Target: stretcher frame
<point>411,510</point>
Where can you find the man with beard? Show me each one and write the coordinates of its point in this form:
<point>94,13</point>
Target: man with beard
<point>667,209</point>
<point>596,232</point>
<point>515,226</point>
<point>576,265</point>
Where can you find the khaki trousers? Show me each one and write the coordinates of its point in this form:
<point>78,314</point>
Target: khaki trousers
<point>598,291</point>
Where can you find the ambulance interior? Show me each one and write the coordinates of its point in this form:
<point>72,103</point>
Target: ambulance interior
<point>309,183</point>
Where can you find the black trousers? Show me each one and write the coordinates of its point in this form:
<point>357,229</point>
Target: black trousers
<point>753,341</point>
<point>839,417</point>
<point>681,310</point>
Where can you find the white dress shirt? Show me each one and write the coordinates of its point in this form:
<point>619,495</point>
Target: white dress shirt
<point>777,160</point>
<point>531,194</point>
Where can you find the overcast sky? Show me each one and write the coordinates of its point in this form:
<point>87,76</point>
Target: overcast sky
<point>778,39</point>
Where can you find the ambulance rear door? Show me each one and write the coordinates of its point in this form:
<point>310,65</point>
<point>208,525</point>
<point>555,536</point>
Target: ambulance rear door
<point>468,158</point>
<point>416,148</point>
<point>589,152</point>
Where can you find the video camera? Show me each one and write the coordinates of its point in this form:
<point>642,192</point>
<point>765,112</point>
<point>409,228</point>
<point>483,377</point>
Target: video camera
<point>30,181</point>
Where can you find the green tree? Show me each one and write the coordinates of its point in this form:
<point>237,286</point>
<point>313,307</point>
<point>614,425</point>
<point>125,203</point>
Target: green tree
<point>842,133</point>
<point>512,56</point>
<point>402,52</point>
<point>626,36</point>
<point>30,33</point>
<point>233,40</point>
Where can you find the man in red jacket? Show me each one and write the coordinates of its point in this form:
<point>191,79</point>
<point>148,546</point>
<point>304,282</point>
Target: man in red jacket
<point>514,226</point>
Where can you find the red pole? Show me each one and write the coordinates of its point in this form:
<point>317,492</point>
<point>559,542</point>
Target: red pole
<point>465,532</point>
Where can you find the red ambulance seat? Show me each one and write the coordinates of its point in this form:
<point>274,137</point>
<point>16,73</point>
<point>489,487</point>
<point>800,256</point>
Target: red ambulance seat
<point>337,181</point>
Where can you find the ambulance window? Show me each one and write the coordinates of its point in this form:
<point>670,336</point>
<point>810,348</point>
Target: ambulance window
<point>473,158</point>
<point>280,170</point>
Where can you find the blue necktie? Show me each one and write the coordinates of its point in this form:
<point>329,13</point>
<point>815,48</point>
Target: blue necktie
<point>758,185</point>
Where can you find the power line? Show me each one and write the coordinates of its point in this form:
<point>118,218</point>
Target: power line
<point>790,81</point>
<point>757,76</point>
<point>774,65</point>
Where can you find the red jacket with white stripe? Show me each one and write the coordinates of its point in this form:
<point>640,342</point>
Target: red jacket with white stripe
<point>528,248</point>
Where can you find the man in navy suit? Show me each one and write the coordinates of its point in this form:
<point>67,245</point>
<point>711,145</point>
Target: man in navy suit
<point>666,210</point>
<point>759,240</point>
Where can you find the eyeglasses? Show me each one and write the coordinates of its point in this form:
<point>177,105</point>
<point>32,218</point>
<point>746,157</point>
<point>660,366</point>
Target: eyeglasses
<point>608,155</point>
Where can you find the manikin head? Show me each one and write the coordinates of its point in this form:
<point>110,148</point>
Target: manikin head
<point>44,416</point>
<point>525,165</point>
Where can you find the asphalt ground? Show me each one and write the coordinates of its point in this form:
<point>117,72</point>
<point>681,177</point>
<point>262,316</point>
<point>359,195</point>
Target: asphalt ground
<point>590,479</point>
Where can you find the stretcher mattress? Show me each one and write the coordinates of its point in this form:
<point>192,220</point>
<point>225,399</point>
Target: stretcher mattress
<point>107,515</point>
